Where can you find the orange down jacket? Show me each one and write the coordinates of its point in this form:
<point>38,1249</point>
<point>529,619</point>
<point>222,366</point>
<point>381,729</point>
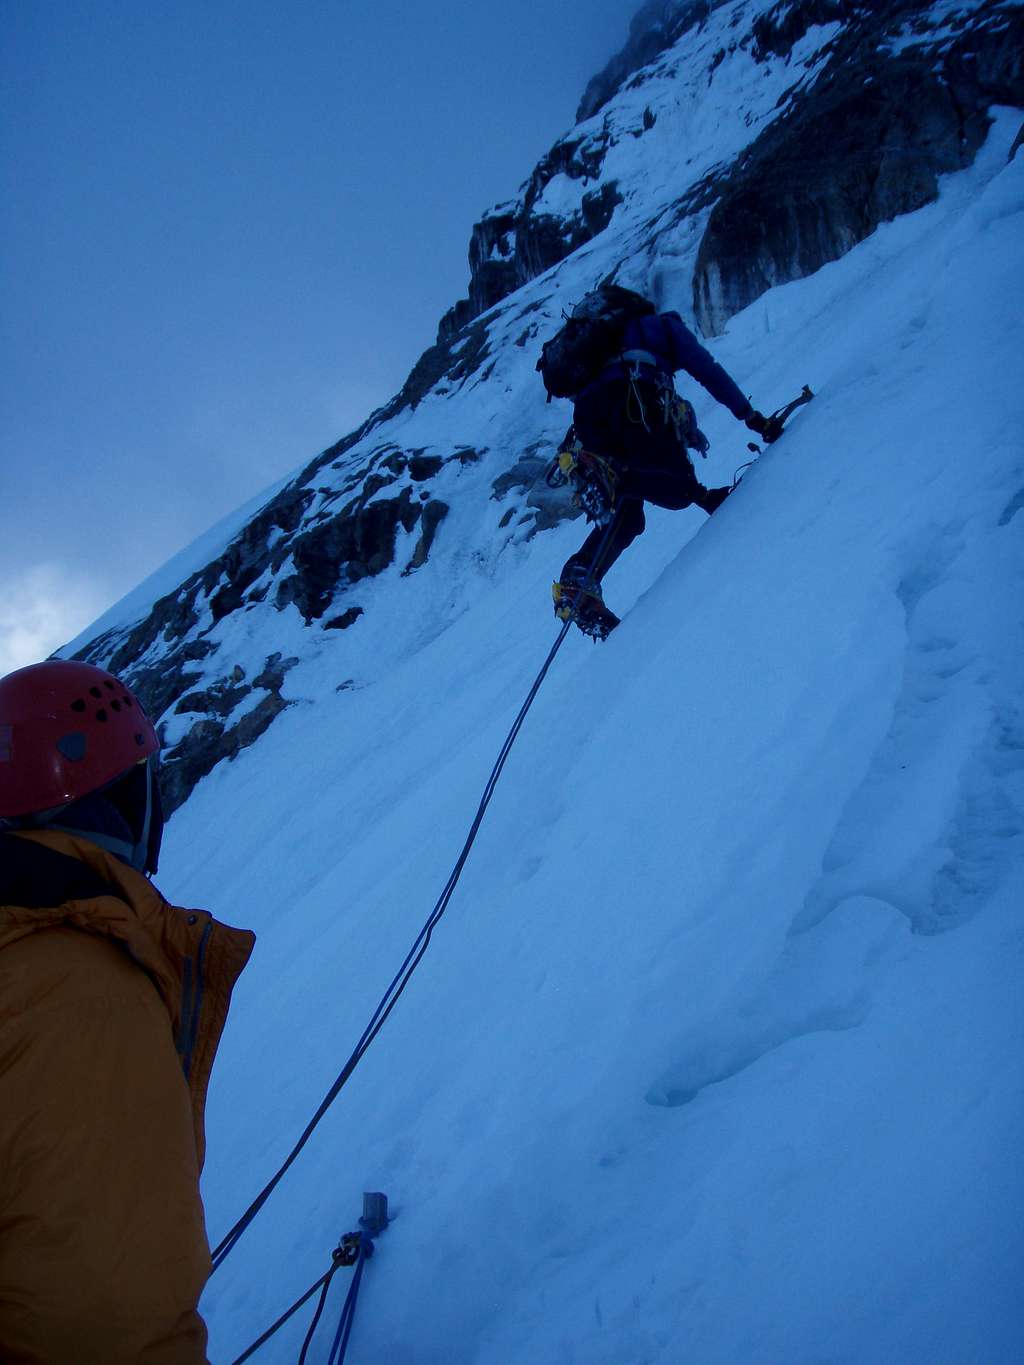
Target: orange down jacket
<point>112,1003</point>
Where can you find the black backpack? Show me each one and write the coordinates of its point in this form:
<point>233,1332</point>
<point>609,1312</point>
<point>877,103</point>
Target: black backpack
<point>589,339</point>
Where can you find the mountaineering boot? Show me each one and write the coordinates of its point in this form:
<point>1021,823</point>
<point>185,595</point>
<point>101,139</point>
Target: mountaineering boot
<point>594,480</point>
<point>584,605</point>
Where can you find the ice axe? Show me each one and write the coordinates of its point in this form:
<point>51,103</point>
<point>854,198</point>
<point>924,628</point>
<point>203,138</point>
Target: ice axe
<point>779,418</point>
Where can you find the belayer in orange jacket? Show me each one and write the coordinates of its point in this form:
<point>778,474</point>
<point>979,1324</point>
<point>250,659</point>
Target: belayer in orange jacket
<point>112,1003</point>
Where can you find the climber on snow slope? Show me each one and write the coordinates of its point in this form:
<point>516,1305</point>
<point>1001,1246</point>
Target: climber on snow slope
<point>631,434</point>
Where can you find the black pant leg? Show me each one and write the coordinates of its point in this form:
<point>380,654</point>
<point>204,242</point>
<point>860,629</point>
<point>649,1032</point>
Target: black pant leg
<point>671,484</point>
<point>603,546</point>
<point>626,423</point>
<point>630,429</point>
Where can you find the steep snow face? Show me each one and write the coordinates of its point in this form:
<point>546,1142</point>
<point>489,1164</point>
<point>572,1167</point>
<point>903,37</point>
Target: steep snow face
<point>716,1056</point>
<point>761,140</point>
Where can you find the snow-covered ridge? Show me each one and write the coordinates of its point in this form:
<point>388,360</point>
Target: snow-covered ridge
<point>646,188</point>
<point>716,1056</point>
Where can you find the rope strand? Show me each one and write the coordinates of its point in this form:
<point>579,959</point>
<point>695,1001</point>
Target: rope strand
<point>348,1313</point>
<point>318,1314</point>
<point>415,955</point>
<point>322,1282</point>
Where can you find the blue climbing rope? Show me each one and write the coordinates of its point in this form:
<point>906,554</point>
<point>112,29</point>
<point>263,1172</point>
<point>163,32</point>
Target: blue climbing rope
<point>391,996</point>
<point>354,1249</point>
<point>388,1002</point>
<point>414,956</point>
<point>348,1312</point>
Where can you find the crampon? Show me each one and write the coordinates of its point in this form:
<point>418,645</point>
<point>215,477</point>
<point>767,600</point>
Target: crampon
<point>585,607</point>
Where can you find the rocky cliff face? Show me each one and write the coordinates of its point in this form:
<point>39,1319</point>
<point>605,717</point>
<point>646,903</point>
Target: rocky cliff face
<point>898,96</point>
<point>902,99</point>
<point>749,142</point>
<point>305,546</point>
<point>656,26</point>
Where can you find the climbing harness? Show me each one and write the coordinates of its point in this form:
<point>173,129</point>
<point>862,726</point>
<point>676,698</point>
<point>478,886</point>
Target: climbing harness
<point>676,412</point>
<point>680,412</point>
<point>594,480</point>
<point>634,399</point>
<point>354,1249</point>
<point>559,471</point>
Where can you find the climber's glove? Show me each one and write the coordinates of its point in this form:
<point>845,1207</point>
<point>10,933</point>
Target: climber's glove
<point>768,428</point>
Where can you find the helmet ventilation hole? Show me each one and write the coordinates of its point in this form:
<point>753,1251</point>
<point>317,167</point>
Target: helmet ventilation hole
<point>78,705</point>
<point>72,747</point>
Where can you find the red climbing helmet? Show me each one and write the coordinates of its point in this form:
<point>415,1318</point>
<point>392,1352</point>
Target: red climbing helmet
<point>66,729</point>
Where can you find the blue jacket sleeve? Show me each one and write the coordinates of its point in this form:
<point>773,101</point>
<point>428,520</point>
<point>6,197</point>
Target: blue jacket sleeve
<point>689,355</point>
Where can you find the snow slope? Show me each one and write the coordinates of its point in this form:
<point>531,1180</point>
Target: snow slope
<point>716,1056</point>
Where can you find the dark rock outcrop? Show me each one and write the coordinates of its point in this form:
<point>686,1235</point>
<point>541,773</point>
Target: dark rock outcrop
<point>220,699</point>
<point>214,737</point>
<point>434,512</point>
<point>861,145</point>
<point>346,619</point>
<point>515,243</point>
<point>357,543</point>
<point>657,25</point>
<point>457,354</point>
<point>540,506</point>
<point>168,657</point>
<point>779,29</point>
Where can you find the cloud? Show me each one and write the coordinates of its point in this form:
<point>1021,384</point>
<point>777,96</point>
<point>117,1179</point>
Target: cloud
<point>42,608</point>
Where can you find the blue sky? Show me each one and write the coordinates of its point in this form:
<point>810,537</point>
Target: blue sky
<point>229,231</point>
